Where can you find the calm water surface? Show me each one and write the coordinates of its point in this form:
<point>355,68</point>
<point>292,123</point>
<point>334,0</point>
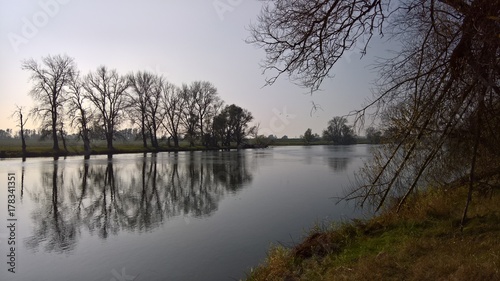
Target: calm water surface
<point>169,216</point>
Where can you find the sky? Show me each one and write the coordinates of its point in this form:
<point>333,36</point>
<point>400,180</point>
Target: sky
<point>184,41</point>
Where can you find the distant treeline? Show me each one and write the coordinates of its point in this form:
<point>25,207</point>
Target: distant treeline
<point>95,105</point>
<point>340,133</point>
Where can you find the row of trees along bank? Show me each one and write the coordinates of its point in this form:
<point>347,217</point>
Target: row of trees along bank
<point>339,132</point>
<point>97,103</point>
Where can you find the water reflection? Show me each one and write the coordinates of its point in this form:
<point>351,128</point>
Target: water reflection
<point>340,156</point>
<point>54,227</point>
<point>338,164</point>
<point>107,196</point>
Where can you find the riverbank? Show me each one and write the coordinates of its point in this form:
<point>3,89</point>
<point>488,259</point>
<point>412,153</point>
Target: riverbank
<point>45,150</point>
<point>12,149</point>
<point>421,242</point>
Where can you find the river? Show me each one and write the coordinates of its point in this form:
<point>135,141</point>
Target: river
<point>208,215</point>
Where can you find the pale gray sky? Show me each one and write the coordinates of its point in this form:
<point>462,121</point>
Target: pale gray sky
<point>183,40</point>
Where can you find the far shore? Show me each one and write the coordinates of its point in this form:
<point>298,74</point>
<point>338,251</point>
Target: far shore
<point>63,153</point>
<point>44,149</point>
<point>119,149</point>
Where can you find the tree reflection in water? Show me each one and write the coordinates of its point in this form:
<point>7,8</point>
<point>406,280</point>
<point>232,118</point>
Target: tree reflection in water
<point>339,164</point>
<point>106,197</point>
<point>341,157</point>
<point>54,225</point>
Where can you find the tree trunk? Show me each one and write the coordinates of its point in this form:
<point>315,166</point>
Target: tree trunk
<point>143,133</point>
<point>154,137</point>
<point>23,141</point>
<point>176,140</point>
<point>54,133</point>
<point>154,140</point>
<point>63,140</point>
<point>472,176</point>
<point>86,147</point>
<point>86,143</point>
<point>109,134</point>
<point>109,140</point>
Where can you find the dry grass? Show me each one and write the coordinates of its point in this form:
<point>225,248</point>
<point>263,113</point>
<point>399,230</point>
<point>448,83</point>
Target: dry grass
<point>421,242</point>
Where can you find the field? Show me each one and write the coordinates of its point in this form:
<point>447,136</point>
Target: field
<point>36,148</point>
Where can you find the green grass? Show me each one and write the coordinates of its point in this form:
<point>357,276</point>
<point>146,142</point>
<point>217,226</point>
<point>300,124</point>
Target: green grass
<point>421,242</point>
<point>12,148</point>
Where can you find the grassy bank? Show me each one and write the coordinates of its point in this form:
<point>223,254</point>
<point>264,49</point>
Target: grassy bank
<point>421,242</point>
<point>12,149</point>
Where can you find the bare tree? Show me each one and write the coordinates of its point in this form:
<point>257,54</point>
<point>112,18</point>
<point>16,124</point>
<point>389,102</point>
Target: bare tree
<point>338,132</point>
<point>154,110</point>
<point>18,113</point>
<point>141,84</point>
<point>106,90</point>
<point>50,78</point>
<point>439,93</point>
<point>62,133</point>
<point>189,115</point>
<point>172,103</point>
<point>207,102</point>
<point>304,39</point>
<point>79,110</point>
